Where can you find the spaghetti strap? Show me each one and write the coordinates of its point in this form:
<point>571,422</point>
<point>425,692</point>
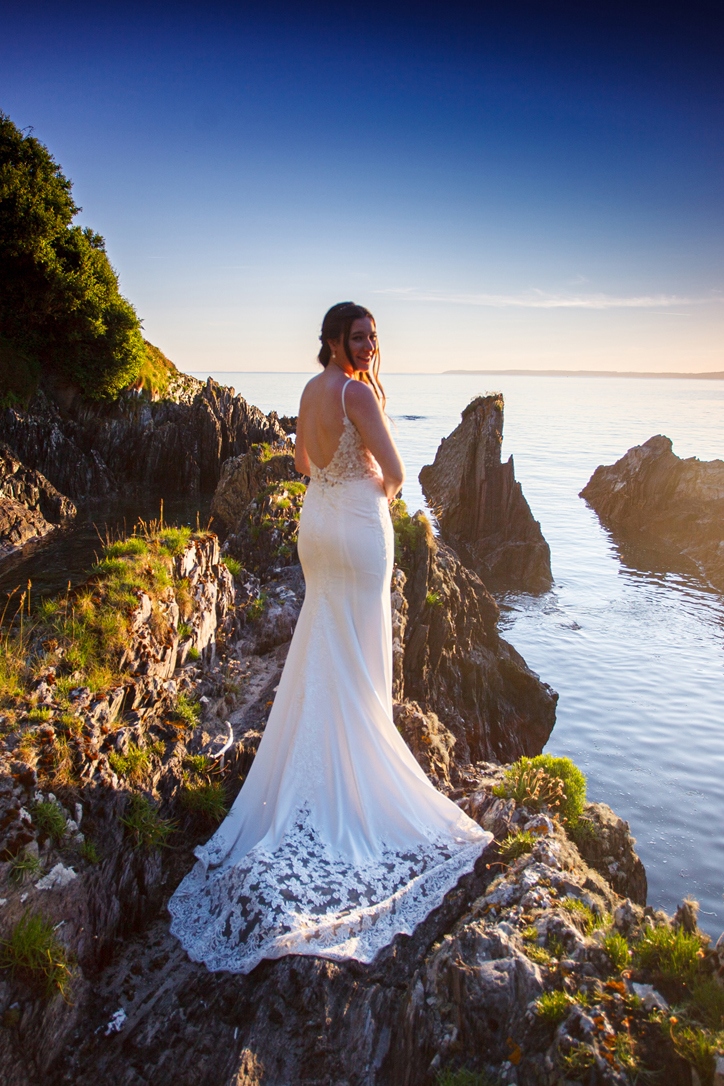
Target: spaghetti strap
<point>344,389</point>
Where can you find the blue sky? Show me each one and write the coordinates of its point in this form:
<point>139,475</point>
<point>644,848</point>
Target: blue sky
<point>529,187</point>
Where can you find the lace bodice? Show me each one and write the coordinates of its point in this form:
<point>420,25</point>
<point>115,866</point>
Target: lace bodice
<point>352,460</point>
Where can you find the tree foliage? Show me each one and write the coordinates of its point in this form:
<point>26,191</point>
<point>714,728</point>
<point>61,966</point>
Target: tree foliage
<point>60,307</point>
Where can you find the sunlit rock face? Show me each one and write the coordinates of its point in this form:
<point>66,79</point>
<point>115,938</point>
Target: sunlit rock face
<point>480,508</point>
<point>653,494</point>
<point>173,448</point>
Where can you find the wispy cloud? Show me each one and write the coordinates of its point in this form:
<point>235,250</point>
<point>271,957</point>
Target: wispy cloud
<point>540,299</point>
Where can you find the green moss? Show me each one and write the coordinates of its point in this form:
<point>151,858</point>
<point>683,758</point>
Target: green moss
<point>34,953</point>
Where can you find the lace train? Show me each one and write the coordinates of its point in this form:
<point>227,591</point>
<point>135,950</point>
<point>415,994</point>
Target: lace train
<point>302,898</point>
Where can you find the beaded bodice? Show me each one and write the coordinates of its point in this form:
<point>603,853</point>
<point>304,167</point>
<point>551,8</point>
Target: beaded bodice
<point>352,460</point>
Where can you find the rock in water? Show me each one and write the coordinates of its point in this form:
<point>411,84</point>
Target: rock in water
<point>480,507</point>
<point>30,506</point>
<point>680,502</point>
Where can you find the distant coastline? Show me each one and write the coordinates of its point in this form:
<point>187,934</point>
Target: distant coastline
<point>717,375</point>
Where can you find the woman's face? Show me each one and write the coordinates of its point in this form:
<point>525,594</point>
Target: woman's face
<point>362,344</point>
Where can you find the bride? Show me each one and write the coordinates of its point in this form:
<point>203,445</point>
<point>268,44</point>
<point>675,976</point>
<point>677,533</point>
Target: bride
<point>337,841</point>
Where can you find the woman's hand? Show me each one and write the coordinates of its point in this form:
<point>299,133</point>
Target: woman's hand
<point>364,410</point>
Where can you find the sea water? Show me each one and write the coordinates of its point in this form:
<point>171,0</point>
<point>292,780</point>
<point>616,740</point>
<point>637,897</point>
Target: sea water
<point>630,636</point>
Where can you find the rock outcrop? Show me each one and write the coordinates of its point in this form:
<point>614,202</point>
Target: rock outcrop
<point>30,506</point>
<point>244,477</point>
<point>652,493</point>
<point>92,450</point>
<point>467,990</point>
<point>480,508</point>
<point>453,661</point>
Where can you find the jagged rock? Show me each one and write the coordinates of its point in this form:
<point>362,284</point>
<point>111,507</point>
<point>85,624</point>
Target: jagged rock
<point>654,494</point>
<point>429,741</point>
<point>480,508</point>
<point>457,666</point>
<point>30,506</point>
<point>607,845</point>
<point>244,477</point>
<point>92,450</point>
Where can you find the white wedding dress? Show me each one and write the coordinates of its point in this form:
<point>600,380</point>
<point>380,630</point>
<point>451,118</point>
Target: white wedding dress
<point>337,841</point>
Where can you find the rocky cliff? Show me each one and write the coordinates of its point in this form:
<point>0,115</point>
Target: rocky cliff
<point>171,448</point>
<point>30,506</point>
<point>516,978</point>
<point>480,508</point>
<point>650,492</point>
<point>452,660</point>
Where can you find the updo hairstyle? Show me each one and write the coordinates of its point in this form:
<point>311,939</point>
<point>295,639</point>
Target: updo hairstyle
<point>337,324</point>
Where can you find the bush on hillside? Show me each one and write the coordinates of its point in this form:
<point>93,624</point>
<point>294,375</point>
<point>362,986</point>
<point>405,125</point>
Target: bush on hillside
<point>60,308</point>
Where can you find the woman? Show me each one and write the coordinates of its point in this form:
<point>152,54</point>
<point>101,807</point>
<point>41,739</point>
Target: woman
<point>337,841</point>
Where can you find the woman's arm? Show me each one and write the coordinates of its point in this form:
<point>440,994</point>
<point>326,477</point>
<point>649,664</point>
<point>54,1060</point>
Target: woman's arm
<point>301,459</point>
<point>365,412</point>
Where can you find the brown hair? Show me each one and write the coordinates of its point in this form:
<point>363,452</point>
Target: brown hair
<point>337,324</point>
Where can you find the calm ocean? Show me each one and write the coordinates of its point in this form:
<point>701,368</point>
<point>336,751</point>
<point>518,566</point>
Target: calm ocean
<point>631,638</point>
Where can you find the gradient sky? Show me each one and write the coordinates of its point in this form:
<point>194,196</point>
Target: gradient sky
<point>529,187</point>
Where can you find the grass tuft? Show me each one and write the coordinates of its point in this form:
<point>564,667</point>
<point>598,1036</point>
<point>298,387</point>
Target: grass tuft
<point>673,954</point>
<point>553,1006</point>
<point>205,798</point>
<point>34,953</point>
<point>145,826</point>
<point>517,844</point>
<point>618,951</point>
<point>50,820</point>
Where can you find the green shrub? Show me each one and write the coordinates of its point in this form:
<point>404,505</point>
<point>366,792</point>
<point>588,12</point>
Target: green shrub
<point>60,306</point>
<point>194,653</point>
<point>145,825</point>
<point>409,531</point>
<point>433,599</point>
<point>199,763</point>
<point>34,953</point>
<point>673,954</point>
<point>184,631</point>
<point>546,781</point>
<point>553,1006</point>
<point>697,1046</point>
<point>255,608</point>
<point>618,951</point>
<point>49,819</point>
